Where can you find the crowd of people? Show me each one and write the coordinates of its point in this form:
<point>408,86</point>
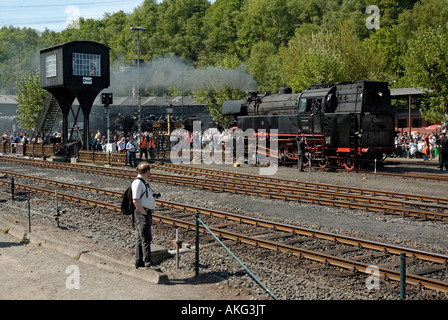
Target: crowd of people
<point>20,138</point>
<point>416,145</point>
<point>145,146</point>
<point>426,146</point>
<point>200,139</point>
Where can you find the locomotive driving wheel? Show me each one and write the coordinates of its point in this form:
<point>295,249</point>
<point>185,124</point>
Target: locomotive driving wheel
<point>323,163</point>
<point>349,164</point>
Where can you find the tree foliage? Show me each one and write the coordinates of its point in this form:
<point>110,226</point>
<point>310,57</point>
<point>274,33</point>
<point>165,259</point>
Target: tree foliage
<point>293,43</point>
<point>330,57</point>
<point>426,65</point>
<point>31,98</point>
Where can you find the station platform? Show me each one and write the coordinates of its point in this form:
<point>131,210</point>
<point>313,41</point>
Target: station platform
<point>158,254</point>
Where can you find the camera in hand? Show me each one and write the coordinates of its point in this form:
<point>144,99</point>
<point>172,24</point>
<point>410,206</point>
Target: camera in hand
<point>156,195</point>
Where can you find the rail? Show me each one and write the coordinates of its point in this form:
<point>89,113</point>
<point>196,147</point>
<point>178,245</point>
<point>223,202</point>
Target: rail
<point>325,258</point>
<point>425,208</point>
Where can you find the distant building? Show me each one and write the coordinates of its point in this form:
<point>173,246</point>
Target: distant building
<point>152,108</point>
<point>411,120</point>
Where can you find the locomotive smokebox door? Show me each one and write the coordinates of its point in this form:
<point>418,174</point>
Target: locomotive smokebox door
<point>78,69</point>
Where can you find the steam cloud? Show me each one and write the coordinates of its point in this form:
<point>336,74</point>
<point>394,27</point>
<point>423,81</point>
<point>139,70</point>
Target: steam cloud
<point>175,72</point>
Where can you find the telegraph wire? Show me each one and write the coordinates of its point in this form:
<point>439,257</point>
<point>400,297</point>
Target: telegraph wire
<point>83,4</point>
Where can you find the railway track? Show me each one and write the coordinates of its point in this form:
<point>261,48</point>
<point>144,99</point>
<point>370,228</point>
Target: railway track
<point>353,254</point>
<point>270,181</point>
<point>404,205</point>
<point>440,177</point>
<point>435,177</point>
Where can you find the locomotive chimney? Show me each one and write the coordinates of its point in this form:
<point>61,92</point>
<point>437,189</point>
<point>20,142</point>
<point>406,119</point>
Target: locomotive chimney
<point>284,90</point>
<point>253,94</point>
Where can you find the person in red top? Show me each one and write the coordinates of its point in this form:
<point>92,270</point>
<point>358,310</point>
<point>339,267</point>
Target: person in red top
<point>426,153</point>
<point>152,146</point>
<point>144,145</point>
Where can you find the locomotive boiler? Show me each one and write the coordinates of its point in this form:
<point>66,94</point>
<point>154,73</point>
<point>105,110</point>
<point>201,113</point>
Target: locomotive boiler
<point>344,124</point>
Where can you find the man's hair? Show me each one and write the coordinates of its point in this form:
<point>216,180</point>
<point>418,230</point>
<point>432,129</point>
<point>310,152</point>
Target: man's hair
<point>143,167</point>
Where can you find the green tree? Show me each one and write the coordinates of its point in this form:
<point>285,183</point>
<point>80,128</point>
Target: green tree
<point>220,30</point>
<point>18,53</point>
<point>424,14</point>
<point>328,56</point>
<point>266,21</point>
<point>384,42</point>
<point>31,98</point>
<point>426,66</point>
<point>361,62</point>
<point>214,98</point>
<point>266,66</point>
<point>313,13</point>
<point>335,12</point>
<point>317,64</point>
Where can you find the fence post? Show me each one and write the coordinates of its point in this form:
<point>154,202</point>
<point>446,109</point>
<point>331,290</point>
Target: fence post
<point>197,242</point>
<point>375,168</point>
<point>29,214</point>
<point>178,244</point>
<point>403,276</point>
<point>57,215</point>
<point>12,188</point>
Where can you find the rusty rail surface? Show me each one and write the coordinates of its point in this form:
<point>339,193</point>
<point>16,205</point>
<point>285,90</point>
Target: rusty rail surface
<point>344,197</point>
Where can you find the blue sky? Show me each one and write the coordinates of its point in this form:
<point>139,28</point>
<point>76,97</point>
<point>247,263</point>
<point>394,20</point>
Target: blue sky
<point>55,14</point>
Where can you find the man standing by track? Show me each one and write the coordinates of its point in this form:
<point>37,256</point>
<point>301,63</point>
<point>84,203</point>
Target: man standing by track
<point>301,140</point>
<point>442,142</point>
<point>131,148</point>
<point>144,206</point>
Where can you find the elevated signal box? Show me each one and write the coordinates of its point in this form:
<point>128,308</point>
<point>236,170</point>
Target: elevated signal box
<point>78,69</point>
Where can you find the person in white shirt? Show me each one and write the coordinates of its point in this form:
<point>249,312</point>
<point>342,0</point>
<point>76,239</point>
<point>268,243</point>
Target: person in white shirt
<point>121,145</point>
<point>131,148</point>
<point>145,204</point>
<point>413,148</point>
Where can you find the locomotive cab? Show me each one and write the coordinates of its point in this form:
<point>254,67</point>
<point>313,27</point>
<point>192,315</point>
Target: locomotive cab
<point>314,103</point>
<point>310,114</point>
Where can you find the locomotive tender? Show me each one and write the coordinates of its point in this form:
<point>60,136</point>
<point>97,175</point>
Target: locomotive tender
<point>345,124</point>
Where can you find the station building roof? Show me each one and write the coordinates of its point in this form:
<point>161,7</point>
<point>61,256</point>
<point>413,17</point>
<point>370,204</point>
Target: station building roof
<point>404,93</point>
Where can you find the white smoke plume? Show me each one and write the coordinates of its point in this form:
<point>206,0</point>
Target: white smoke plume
<point>172,71</point>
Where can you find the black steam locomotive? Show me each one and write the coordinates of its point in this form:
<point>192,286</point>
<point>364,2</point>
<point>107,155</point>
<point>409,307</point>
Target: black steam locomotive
<point>345,124</point>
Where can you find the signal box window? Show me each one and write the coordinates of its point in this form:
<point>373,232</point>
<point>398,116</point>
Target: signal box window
<point>86,65</point>
<point>50,66</point>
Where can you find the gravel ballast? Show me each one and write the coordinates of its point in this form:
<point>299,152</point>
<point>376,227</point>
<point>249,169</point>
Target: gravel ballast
<point>286,277</point>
